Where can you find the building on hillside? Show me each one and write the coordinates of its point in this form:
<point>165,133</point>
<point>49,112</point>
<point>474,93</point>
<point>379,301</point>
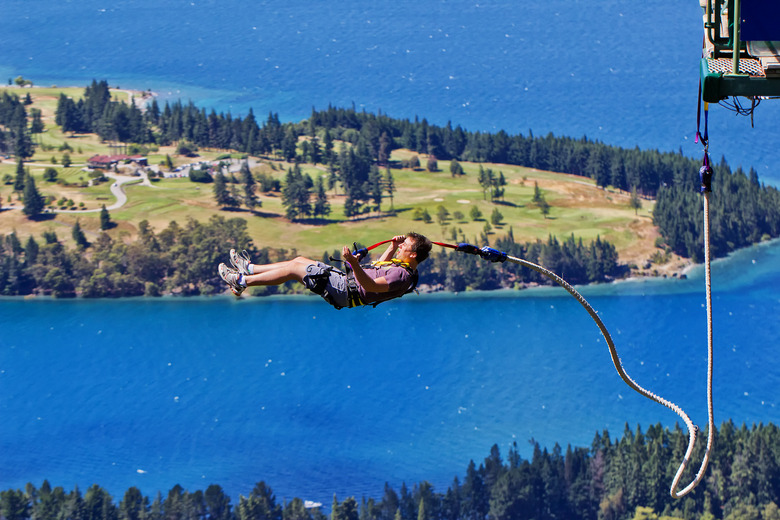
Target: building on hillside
<point>106,162</point>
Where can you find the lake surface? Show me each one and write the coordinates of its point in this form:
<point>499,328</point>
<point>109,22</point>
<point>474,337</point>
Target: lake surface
<point>155,392</point>
<point>619,71</point>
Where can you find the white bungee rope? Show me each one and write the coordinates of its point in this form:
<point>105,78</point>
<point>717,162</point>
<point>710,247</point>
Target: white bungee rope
<point>497,256</point>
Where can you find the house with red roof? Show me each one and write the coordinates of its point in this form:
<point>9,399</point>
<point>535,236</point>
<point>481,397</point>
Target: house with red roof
<point>106,162</point>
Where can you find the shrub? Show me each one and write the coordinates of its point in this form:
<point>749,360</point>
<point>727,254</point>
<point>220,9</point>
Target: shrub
<point>200,176</point>
<point>50,174</point>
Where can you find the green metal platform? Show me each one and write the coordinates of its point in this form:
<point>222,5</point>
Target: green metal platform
<point>732,66</point>
<point>718,82</point>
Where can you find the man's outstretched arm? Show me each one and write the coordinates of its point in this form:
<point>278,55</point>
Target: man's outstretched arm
<point>392,248</point>
<point>378,285</point>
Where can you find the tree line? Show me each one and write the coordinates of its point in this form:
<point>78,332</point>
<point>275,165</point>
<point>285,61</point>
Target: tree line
<point>181,260</point>
<point>742,212</point>
<point>576,262</point>
<point>620,479</point>
<point>374,137</point>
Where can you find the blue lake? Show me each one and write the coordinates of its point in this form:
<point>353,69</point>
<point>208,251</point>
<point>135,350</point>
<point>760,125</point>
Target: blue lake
<point>314,401</point>
<point>619,71</point>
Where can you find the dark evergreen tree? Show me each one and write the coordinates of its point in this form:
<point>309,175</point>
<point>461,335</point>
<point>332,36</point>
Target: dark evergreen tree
<point>474,495</point>
<point>327,143</point>
<point>375,187</point>
<point>290,144</point>
<point>31,249</point>
<point>105,218</point>
<point>389,185</point>
<point>14,505</point>
<point>321,203</point>
<point>134,506</point>
<point>217,503</point>
<point>21,175</point>
<point>296,194</point>
<point>635,203</point>
<point>259,505</point>
<point>455,168</point>
<point>32,199</point>
<point>22,142</point>
<point>79,237</point>
<point>36,125</point>
<point>250,187</point>
<point>68,115</point>
<point>96,97</point>
<point>98,504</point>
<point>222,194</point>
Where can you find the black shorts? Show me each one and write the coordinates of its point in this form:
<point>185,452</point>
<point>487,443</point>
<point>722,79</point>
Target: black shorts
<point>328,282</point>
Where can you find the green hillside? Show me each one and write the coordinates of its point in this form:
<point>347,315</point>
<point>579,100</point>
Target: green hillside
<point>576,205</point>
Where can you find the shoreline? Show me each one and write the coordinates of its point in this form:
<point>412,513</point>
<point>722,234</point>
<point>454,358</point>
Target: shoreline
<point>425,293</point>
<point>694,276</point>
<point>140,97</point>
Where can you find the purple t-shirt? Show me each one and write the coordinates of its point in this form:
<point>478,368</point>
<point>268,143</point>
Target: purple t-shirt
<point>398,277</point>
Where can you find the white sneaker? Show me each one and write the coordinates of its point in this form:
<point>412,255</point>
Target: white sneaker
<point>240,261</point>
<point>230,276</point>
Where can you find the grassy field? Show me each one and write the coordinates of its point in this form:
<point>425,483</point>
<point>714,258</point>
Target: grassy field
<point>578,206</point>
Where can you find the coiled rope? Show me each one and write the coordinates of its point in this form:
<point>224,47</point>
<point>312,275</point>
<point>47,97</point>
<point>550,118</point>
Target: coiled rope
<point>494,255</point>
<point>692,428</point>
<point>497,256</point>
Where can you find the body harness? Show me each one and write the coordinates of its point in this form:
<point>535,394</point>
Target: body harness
<point>354,292</point>
<point>318,283</point>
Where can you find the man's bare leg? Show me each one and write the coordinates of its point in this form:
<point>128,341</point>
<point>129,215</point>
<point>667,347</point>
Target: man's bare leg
<point>278,272</point>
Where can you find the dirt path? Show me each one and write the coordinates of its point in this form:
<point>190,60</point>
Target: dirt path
<point>117,189</point>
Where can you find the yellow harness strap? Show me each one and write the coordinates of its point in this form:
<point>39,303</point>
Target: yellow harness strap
<point>392,261</point>
<point>354,293</point>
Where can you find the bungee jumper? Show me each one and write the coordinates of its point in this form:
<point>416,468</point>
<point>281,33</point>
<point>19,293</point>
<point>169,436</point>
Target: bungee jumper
<point>392,276</point>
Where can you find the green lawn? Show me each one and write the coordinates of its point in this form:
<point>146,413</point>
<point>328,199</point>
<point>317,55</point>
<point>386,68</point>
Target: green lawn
<point>577,206</point>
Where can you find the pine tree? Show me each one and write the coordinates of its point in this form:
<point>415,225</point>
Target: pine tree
<point>250,187</point>
<point>442,215</point>
<point>544,207</point>
<point>295,194</point>
<point>496,218</point>
<point>290,144</point>
<point>455,168</point>
<point>635,203</point>
<point>105,218</point>
<point>321,204</point>
<point>315,153</point>
<point>36,125</point>
<point>537,193</point>
<point>20,176</point>
<point>498,186</point>
<point>23,145</point>
<point>389,186</point>
<point>327,144</point>
<point>221,192</point>
<point>375,183</point>
<point>79,237</point>
<point>383,154</point>
<point>33,201</point>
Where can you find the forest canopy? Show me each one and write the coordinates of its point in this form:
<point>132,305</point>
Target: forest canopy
<point>621,479</point>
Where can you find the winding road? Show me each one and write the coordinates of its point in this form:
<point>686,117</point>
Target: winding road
<point>117,190</point>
